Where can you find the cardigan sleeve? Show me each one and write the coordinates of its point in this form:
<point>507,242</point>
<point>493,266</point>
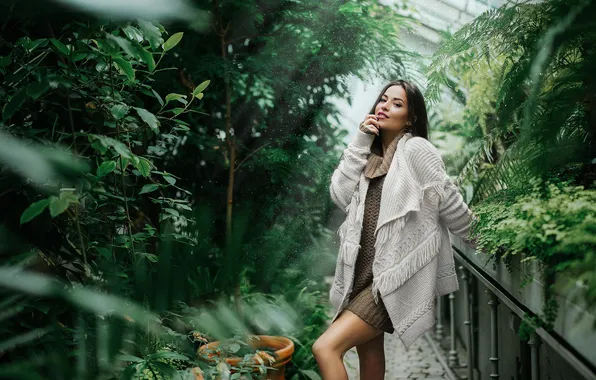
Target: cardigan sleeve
<point>347,174</point>
<point>455,212</point>
<point>428,168</point>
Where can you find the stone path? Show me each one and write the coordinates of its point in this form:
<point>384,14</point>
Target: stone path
<point>417,362</point>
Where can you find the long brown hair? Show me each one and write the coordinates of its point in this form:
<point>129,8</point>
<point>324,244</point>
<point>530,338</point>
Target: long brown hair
<point>416,111</point>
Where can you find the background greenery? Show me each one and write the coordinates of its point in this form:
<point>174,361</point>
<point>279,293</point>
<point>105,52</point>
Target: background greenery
<point>191,175</point>
<point>523,75</point>
<point>165,181</point>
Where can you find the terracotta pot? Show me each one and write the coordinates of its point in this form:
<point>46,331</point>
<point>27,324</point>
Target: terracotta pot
<point>197,373</point>
<point>284,348</point>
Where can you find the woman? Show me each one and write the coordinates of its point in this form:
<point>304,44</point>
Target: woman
<point>395,251</point>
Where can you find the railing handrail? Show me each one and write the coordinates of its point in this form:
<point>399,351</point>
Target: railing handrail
<point>553,339</point>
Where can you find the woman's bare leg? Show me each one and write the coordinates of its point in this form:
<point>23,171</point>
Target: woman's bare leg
<point>371,356</point>
<point>347,331</point>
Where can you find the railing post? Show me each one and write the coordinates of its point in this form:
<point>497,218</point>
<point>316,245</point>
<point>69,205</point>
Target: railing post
<point>494,340</point>
<point>535,343</point>
<point>453,360</point>
<point>468,321</point>
<point>439,326</point>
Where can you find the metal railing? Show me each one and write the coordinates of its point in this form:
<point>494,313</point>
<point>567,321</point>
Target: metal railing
<point>482,347</point>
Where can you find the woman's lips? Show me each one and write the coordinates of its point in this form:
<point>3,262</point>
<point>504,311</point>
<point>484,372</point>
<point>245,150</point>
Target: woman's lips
<point>382,116</point>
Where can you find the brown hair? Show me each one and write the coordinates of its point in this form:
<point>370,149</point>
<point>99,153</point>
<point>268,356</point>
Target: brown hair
<point>416,111</point>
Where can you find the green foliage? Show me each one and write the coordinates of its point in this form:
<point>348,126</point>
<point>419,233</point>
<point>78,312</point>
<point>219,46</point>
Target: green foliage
<point>85,83</point>
<point>533,114</point>
<point>131,208</point>
<point>284,62</point>
<point>99,86</point>
<point>524,76</point>
<point>552,222</point>
<point>541,222</point>
<point>165,363</point>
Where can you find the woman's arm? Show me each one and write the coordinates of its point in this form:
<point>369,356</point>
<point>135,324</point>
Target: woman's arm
<point>455,212</point>
<point>347,174</point>
<point>428,168</point>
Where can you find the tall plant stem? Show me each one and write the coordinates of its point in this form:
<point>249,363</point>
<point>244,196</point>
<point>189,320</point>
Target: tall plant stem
<point>76,151</point>
<point>122,169</point>
<point>231,143</point>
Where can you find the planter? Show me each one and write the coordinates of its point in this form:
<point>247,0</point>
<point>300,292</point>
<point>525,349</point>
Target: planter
<point>197,373</point>
<point>284,348</point>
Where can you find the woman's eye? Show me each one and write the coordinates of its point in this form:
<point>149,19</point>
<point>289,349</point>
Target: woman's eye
<point>398,105</point>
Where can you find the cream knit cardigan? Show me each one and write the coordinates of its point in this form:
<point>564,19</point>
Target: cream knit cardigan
<point>413,258</point>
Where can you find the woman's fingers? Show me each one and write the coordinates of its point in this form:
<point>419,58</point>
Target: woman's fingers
<point>372,128</point>
<point>374,122</point>
<point>370,118</point>
<point>371,124</point>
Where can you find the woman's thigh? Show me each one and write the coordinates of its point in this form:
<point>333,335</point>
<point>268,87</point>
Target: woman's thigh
<point>347,331</point>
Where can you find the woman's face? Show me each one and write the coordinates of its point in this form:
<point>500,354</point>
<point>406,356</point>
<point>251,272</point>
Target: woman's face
<point>392,109</point>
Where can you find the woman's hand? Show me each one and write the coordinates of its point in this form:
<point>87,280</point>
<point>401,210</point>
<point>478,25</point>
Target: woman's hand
<point>370,125</point>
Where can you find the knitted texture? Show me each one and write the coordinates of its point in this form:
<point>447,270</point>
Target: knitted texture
<point>378,165</point>
<point>413,258</point>
<point>361,300</point>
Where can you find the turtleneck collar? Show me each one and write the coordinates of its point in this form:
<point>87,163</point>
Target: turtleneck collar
<point>377,165</point>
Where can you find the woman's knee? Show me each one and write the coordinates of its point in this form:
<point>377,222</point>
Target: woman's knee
<point>324,348</point>
<point>346,332</point>
<point>320,348</point>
